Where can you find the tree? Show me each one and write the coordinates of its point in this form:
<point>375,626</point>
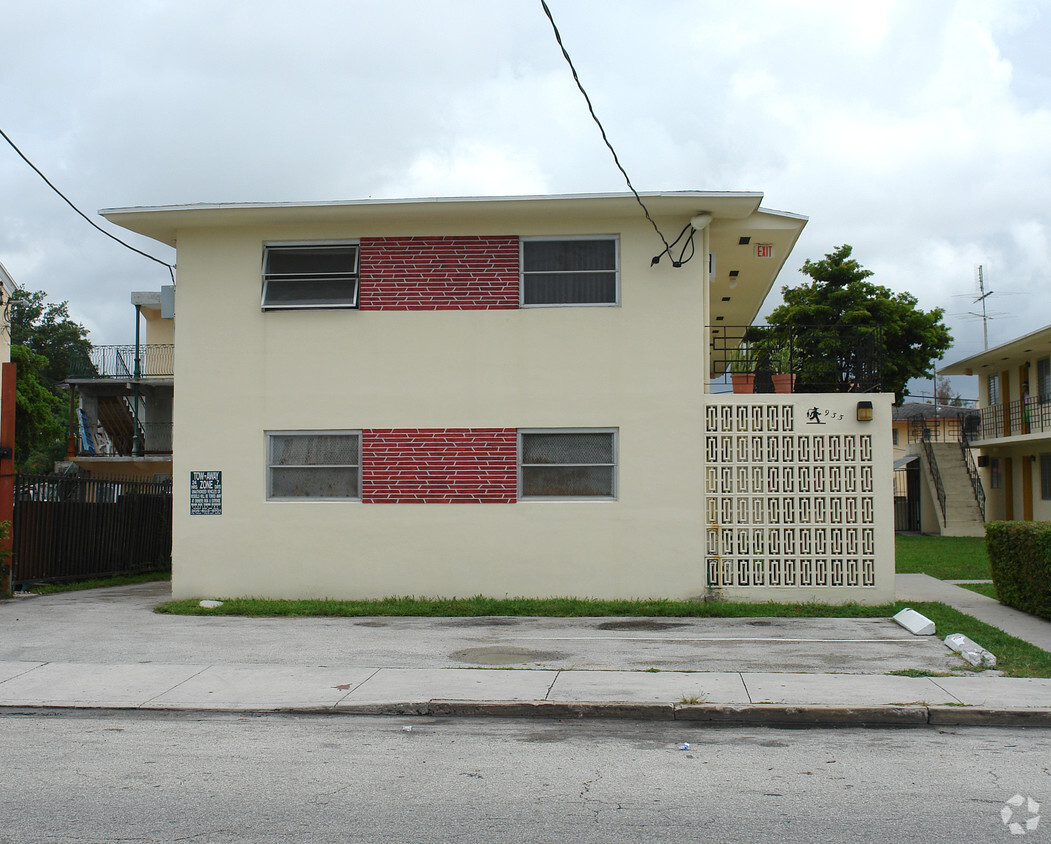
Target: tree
<point>944,392</point>
<point>44,341</point>
<point>40,426</point>
<point>842,328</point>
<point>46,328</point>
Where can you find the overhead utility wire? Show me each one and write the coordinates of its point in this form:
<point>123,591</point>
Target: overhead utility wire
<point>14,146</point>
<point>616,160</point>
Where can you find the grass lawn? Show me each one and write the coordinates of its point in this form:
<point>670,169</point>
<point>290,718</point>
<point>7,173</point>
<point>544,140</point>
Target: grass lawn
<point>986,589</point>
<point>1016,658</point>
<point>943,557</point>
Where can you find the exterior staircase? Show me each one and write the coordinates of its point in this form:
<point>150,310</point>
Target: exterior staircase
<point>962,516</point>
<point>116,418</point>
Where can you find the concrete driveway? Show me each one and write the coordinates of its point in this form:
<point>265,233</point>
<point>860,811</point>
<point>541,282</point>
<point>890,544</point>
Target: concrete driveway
<point>118,626</point>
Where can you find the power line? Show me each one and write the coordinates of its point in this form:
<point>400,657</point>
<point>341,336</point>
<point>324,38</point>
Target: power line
<point>22,155</point>
<point>616,160</point>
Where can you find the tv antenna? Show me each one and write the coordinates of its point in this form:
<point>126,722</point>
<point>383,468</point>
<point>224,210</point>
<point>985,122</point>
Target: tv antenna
<point>983,294</point>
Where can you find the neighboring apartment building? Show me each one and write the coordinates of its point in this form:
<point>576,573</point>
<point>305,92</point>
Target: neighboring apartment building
<point>937,488</point>
<point>1014,435</point>
<point>122,418</point>
<point>503,396</point>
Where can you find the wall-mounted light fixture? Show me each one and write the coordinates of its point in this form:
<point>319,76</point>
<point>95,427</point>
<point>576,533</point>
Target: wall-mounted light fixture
<point>864,411</point>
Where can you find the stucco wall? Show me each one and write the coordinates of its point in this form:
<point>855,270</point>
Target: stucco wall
<point>638,368</point>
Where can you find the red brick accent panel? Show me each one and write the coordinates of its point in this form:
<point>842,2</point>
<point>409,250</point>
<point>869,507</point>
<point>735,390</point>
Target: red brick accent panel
<point>439,465</point>
<point>438,273</point>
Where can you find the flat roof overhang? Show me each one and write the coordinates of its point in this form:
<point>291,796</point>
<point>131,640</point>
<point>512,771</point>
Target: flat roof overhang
<point>163,222</point>
<point>1036,343</point>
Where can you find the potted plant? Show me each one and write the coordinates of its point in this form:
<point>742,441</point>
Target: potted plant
<point>781,360</point>
<point>742,368</point>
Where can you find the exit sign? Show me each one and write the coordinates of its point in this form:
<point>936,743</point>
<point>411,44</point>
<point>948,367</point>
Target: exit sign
<point>764,250</point>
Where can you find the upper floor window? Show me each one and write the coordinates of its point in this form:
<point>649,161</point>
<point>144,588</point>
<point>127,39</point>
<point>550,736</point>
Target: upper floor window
<point>319,275</point>
<point>570,271</point>
<point>994,390</point>
<point>1043,379</point>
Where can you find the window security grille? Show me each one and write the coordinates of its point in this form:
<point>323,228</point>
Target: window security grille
<point>573,464</point>
<point>569,272</point>
<point>314,466</point>
<point>317,276</point>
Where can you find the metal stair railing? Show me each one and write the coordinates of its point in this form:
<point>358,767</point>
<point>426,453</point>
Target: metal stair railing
<point>972,471</point>
<point>936,476</point>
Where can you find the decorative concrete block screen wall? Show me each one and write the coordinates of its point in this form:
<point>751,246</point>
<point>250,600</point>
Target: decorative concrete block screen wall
<point>439,273</point>
<point>789,501</point>
<point>439,465</point>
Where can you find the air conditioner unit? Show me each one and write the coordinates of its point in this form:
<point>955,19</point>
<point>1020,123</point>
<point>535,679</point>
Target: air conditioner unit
<point>983,460</point>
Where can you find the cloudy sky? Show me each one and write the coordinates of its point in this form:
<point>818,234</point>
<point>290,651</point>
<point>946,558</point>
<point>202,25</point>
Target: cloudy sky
<point>918,132</point>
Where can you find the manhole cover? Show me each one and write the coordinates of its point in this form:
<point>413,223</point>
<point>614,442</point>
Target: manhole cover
<point>505,656</point>
<point>640,624</point>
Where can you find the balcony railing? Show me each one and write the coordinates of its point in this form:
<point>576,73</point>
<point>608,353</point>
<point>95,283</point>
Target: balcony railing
<point>153,361</point>
<point>1017,419</point>
<point>817,359</point>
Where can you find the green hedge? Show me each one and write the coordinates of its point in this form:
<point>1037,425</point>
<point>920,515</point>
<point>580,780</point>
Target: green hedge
<point>1020,557</point>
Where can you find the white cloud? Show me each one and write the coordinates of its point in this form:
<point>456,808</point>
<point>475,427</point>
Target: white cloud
<point>918,132</point>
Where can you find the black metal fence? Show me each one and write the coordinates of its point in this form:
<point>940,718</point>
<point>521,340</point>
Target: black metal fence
<point>72,528</point>
<point>1017,419</point>
<point>819,359</point>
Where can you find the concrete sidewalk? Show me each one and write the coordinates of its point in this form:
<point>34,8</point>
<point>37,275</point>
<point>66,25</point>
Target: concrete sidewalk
<point>106,649</point>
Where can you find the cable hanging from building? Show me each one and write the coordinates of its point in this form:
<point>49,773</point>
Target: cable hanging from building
<point>616,160</point>
<point>14,146</point>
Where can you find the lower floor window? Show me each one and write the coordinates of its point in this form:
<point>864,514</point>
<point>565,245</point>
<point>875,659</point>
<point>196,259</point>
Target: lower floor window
<point>996,473</point>
<point>1045,477</point>
<point>574,464</point>
<point>313,465</point>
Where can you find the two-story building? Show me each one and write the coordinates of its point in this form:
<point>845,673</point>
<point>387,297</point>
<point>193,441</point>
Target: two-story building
<point>1014,433</point>
<point>504,396</point>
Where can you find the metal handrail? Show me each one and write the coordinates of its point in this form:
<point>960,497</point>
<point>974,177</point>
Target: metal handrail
<point>153,361</point>
<point>972,471</point>
<point>821,358</point>
<point>1020,418</point>
<point>936,476</point>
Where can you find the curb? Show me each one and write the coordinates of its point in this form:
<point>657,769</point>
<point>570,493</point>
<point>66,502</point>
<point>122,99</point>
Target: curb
<point>730,715</point>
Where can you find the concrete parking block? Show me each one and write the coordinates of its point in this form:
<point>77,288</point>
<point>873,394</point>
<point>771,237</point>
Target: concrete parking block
<point>16,669</point>
<point>262,687</point>
<point>997,692</point>
<point>85,685</point>
<point>844,690</point>
<point>648,687</point>
<point>408,685</point>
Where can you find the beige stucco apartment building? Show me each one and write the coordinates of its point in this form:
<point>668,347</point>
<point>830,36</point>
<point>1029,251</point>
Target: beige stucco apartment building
<point>1014,435</point>
<point>507,397</point>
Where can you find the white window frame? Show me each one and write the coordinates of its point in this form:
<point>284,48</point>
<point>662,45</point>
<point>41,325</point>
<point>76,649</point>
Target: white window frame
<point>268,444</point>
<point>615,432</point>
<point>558,239</point>
<point>311,244</point>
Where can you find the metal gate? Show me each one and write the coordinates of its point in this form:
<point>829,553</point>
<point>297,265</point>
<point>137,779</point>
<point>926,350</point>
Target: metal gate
<point>72,528</point>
